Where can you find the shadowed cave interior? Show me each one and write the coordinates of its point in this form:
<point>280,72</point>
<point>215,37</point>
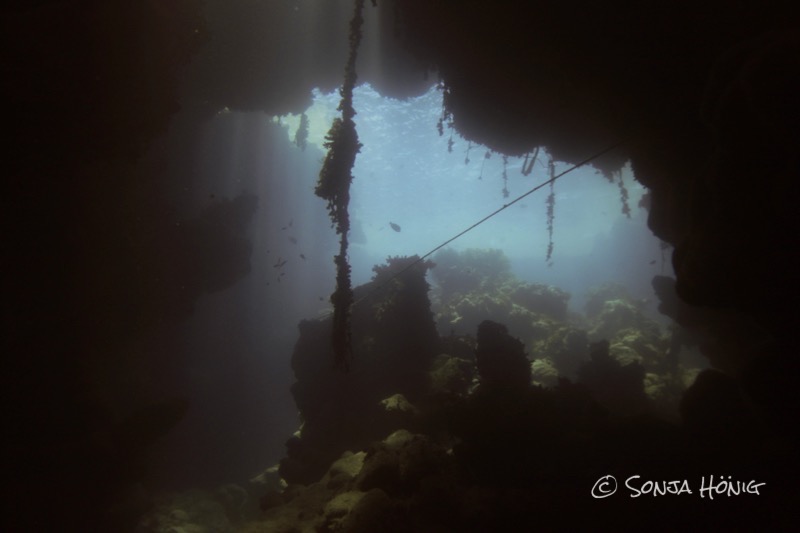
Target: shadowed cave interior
<point>170,280</point>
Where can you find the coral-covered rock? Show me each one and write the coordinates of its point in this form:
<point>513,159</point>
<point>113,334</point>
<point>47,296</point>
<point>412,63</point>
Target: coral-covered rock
<point>544,373</point>
<point>356,511</point>
<point>396,412</point>
<point>476,285</point>
<point>624,355</point>
<point>541,299</point>
<point>649,346</point>
<point>596,297</point>
<point>344,469</point>
<point>450,375</point>
<point>567,347</point>
<point>399,404</point>
<point>470,270</point>
<point>400,462</point>
<point>617,315</point>
<point>463,312</point>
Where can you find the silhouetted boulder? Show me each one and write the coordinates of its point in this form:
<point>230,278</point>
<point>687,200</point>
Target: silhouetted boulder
<point>501,358</point>
<point>618,388</point>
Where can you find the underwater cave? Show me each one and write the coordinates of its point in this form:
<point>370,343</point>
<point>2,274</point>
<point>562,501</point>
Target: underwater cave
<point>401,265</point>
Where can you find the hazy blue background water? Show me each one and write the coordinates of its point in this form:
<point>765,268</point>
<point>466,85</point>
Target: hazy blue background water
<point>406,174</point>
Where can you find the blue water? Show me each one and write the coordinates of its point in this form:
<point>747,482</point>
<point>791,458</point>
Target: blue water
<point>434,186</point>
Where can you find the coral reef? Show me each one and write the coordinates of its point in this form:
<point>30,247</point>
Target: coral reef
<point>617,315</point>
<point>637,341</point>
<point>597,296</point>
<point>541,299</point>
<point>476,284</point>
<point>488,435</point>
<point>467,271</point>
<point>565,348</point>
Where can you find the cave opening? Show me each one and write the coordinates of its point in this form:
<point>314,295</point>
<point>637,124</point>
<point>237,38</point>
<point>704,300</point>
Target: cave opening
<point>169,267</point>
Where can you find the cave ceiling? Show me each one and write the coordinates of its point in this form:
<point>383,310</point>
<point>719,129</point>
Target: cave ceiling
<point>701,95</point>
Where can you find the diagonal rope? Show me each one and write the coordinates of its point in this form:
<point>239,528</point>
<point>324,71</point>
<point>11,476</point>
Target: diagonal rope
<point>484,219</point>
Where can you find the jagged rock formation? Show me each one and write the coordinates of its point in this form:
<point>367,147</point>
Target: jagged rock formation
<point>394,340</point>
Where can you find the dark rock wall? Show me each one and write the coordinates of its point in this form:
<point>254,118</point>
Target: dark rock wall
<point>700,95</point>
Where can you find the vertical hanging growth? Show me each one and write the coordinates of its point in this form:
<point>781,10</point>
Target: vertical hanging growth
<point>505,176</point>
<point>334,186</point>
<point>551,209</point>
<point>301,135</point>
<point>486,156</point>
<point>530,160</point>
<point>623,195</point>
<point>446,118</point>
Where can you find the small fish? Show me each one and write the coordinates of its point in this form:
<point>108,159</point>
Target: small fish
<point>292,240</point>
<point>653,262</point>
<point>394,226</point>
<point>290,222</point>
<point>279,264</point>
<point>321,298</point>
<point>303,257</point>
